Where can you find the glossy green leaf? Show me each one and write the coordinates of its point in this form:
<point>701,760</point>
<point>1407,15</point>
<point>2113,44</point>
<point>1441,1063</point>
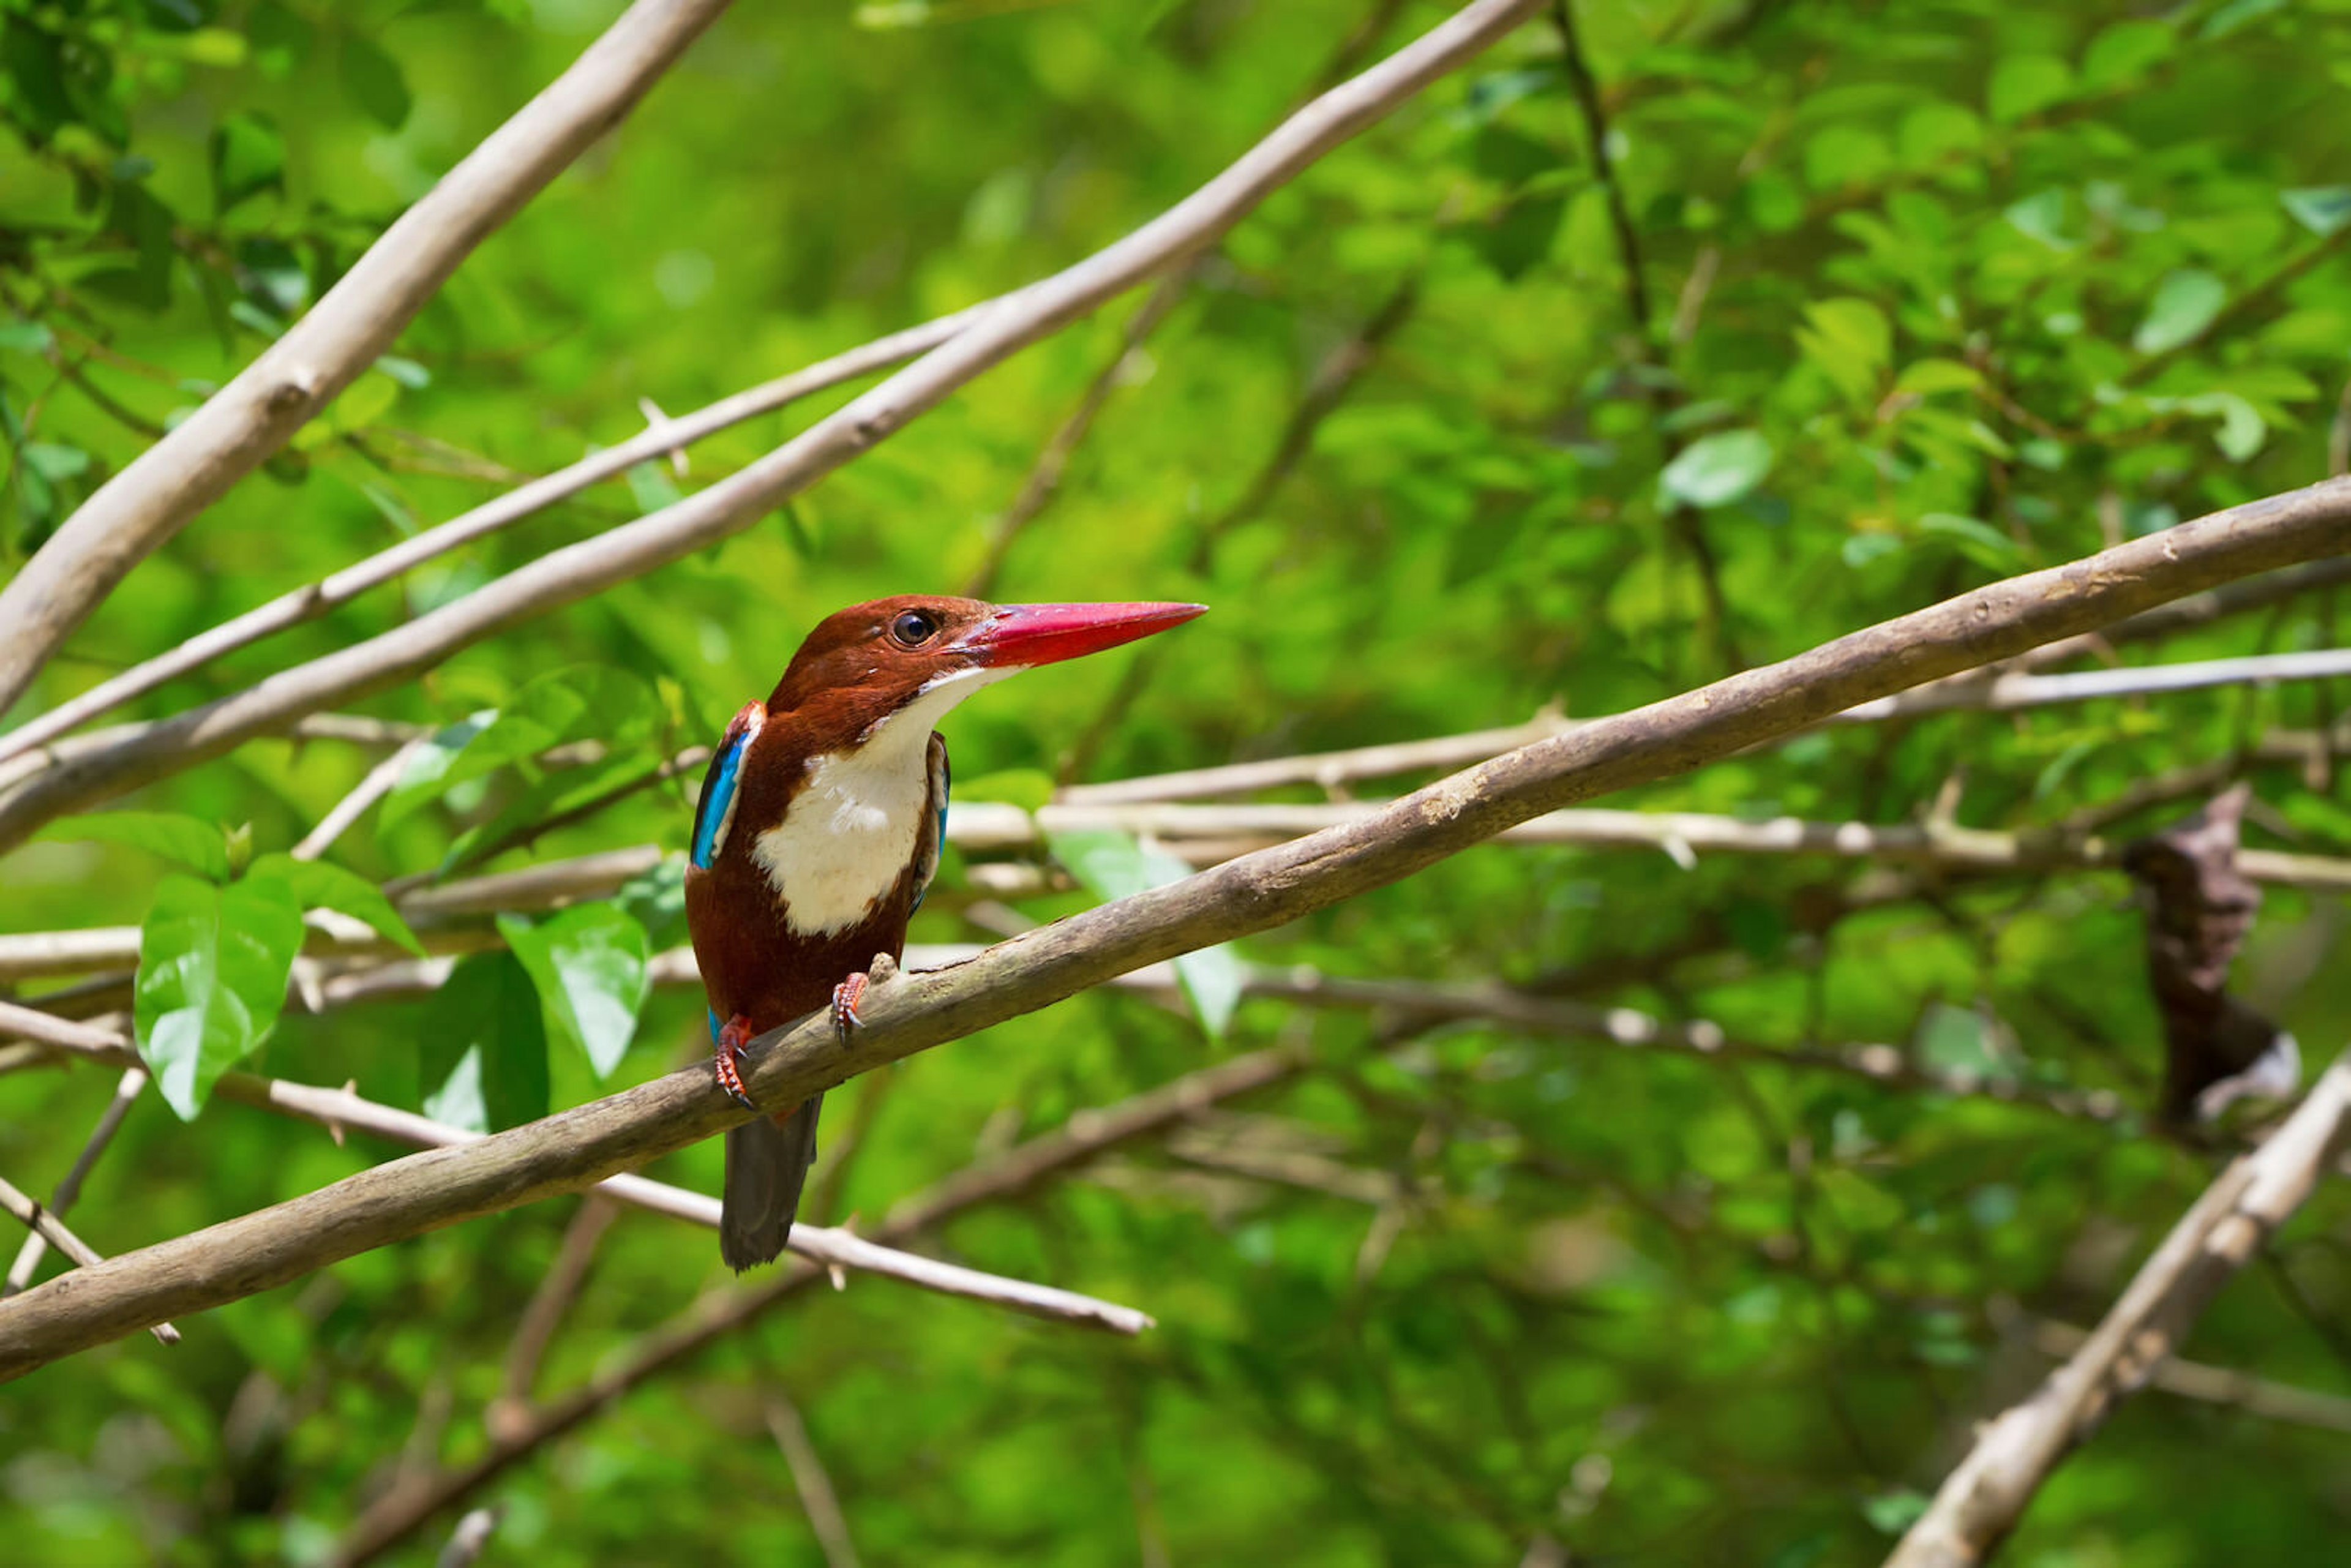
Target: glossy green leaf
<point>316,884</point>
<point>584,703</point>
<point>589,964</point>
<point>199,846</point>
<point>212,968</point>
<point>484,1046</point>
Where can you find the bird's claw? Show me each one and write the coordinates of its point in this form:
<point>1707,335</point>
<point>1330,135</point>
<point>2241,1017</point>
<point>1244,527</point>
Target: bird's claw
<point>845,997</point>
<point>731,1042</point>
<point>850,991</point>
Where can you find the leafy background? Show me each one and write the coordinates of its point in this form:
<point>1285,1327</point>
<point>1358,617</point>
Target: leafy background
<point>1928,293</point>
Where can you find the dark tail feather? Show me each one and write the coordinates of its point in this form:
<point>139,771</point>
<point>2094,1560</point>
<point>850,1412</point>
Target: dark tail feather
<point>767,1164</point>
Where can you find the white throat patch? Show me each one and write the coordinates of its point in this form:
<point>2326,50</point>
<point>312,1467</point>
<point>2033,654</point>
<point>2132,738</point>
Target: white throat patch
<point>851,832</point>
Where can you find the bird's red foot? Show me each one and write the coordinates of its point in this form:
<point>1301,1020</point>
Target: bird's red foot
<point>845,997</point>
<point>731,1042</point>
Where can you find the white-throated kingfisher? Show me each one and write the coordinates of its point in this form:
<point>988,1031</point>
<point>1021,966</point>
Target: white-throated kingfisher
<point>818,827</point>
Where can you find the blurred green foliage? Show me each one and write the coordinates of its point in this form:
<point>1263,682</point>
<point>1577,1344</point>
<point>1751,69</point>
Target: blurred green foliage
<point>1930,292</point>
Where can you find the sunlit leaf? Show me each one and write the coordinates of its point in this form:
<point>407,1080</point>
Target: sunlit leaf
<point>199,846</point>
<point>316,884</point>
<point>213,967</point>
<point>1716,470</point>
<point>589,965</point>
<point>2185,303</point>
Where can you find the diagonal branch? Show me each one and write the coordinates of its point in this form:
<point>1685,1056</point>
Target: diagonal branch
<point>45,1224</point>
<point>737,502</point>
<point>574,1148</point>
<point>1983,1499</point>
<point>236,428</point>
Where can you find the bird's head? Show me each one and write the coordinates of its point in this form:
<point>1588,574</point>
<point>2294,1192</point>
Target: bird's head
<point>866,664</point>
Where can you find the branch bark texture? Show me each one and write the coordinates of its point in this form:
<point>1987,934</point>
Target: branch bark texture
<point>574,1148</point>
<point>140,507</point>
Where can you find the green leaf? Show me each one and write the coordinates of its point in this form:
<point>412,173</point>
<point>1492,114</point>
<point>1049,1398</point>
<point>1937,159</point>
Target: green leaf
<point>1927,377</point>
<point>199,846</point>
<point>248,157</point>
<point>584,702</point>
<point>315,884</point>
<point>652,487</point>
<point>2242,431</point>
<point>2185,304</point>
<point>1891,1513</point>
<point>2023,85</point>
<point>27,337</point>
<point>1976,539</point>
<point>1521,236</point>
<point>1114,865</point>
<point>562,790</point>
<point>374,81</point>
<point>589,964</point>
<point>2321,209</point>
<point>55,461</point>
<point>484,1057</point>
<point>2123,50</point>
<point>212,967</point>
<point>2047,217</point>
<point>1851,342</point>
<point>1716,470</point>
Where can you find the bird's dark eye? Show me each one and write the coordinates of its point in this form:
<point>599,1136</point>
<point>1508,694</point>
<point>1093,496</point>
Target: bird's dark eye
<point>913,629</point>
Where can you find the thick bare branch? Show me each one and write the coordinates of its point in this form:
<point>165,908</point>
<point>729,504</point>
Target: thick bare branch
<point>320,355</point>
<point>577,1147</point>
<point>1983,1498</point>
<point>1206,833</point>
<point>737,502</point>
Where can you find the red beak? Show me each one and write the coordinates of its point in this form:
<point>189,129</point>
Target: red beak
<point>1025,635</point>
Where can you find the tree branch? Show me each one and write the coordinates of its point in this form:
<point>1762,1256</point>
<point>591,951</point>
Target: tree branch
<point>737,502</point>
<point>830,1247</point>
<point>315,599</point>
<point>577,1147</point>
<point>50,1229</point>
<point>1983,1498</point>
<point>237,427</point>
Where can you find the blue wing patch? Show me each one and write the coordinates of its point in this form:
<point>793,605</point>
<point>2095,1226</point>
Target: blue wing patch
<point>717,802</point>
<point>926,859</point>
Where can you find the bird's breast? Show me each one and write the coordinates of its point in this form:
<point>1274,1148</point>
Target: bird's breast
<point>846,837</point>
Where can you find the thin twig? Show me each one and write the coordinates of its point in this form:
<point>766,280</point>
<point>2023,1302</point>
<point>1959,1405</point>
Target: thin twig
<point>49,1227</point>
<point>373,786</point>
<point>558,1288</point>
<point>335,339</point>
<point>68,1190</point>
<point>817,1499</point>
<point>2258,1396</point>
<point>1983,1499</point>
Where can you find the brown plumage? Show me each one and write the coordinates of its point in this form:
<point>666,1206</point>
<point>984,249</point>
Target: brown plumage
<point>819,827</point>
